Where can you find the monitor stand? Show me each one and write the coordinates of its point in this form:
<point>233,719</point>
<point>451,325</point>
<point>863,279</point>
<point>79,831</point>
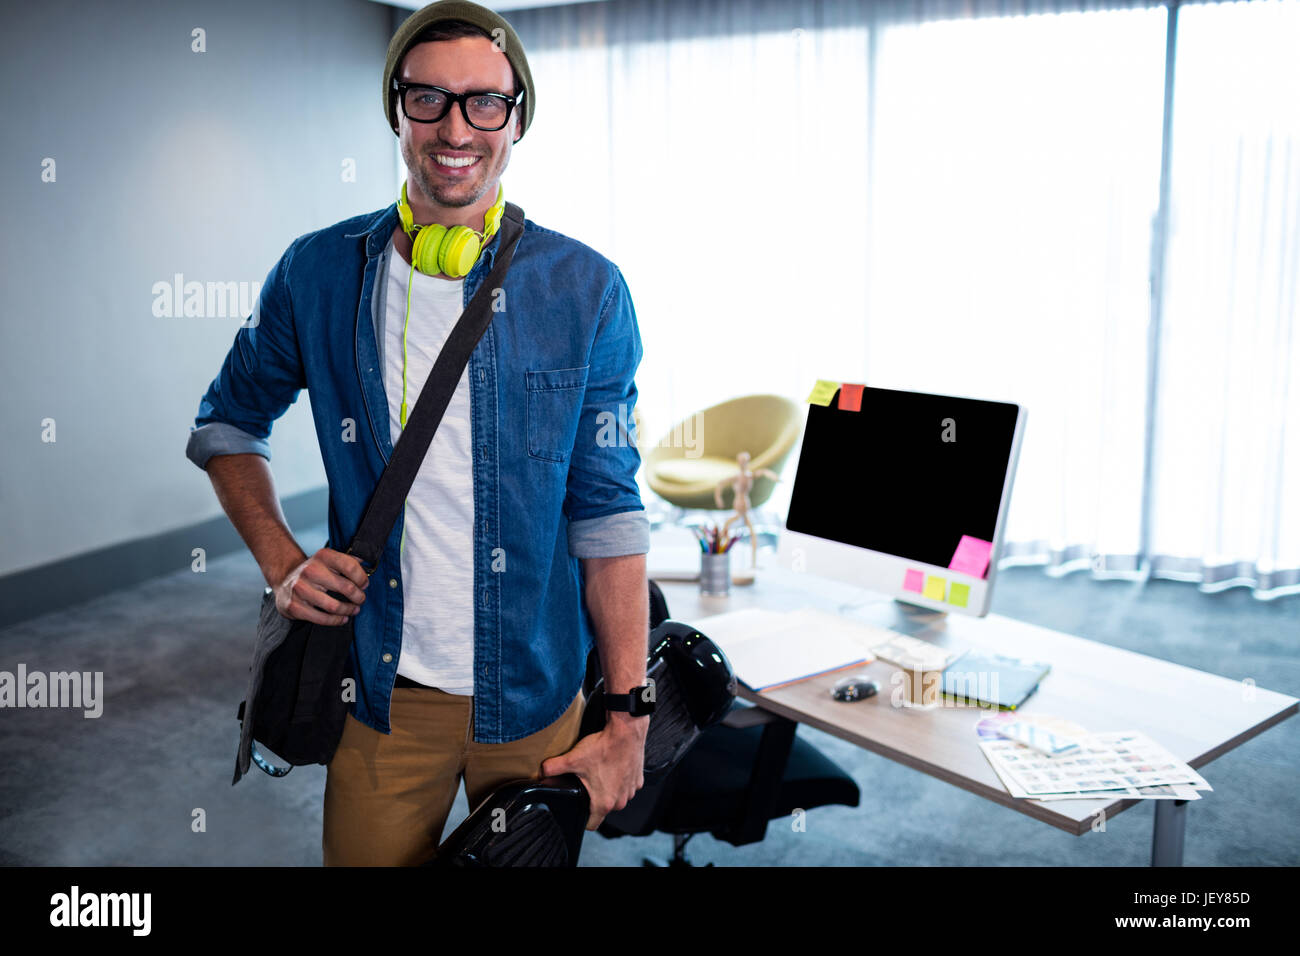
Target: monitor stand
<point>919,621</point>
<point>872,601</point>
<point>918,611</point>
<point>897,615</point>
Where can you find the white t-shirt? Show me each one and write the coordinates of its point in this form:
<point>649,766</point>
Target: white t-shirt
<point>437,540</point>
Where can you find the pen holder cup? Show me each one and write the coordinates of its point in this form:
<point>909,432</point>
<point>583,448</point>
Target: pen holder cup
<point>715,574</point>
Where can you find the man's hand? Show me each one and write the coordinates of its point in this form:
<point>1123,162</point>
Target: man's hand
<point>609,763</point>
<point>301,595</point>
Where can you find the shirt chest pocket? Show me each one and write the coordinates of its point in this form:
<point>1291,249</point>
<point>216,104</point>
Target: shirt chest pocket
<point>554,407</point>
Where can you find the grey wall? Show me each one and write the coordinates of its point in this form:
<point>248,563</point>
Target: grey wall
<point>167,161</point>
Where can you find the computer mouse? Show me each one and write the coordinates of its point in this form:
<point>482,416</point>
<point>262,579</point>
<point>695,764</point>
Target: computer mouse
<point>858,687</point>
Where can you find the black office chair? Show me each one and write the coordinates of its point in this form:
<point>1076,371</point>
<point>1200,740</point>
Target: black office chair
<point>741,773</point>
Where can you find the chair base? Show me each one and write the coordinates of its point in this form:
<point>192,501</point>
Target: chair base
<point>679,854</point>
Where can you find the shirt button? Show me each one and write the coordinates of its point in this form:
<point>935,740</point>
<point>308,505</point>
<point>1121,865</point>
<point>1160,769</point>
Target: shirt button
<point>392,582</point>
<point>388,658</point>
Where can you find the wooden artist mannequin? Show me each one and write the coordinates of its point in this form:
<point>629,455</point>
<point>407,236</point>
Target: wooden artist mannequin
<point>741,483</point>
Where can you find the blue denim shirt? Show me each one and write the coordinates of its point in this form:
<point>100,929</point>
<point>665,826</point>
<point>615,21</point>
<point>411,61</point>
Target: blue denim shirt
<point>555,459</point>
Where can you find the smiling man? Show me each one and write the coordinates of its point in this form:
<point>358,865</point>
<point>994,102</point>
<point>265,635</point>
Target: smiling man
<point>523,540</point>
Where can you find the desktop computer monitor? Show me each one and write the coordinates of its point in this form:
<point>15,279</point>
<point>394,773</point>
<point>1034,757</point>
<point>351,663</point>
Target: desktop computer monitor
<point>907,496</point>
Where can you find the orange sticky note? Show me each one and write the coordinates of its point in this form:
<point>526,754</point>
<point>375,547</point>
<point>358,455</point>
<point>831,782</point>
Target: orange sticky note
<point>851,397</point>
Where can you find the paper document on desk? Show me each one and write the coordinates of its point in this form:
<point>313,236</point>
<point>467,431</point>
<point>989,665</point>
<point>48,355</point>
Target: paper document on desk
<point>1120,763</point>
<point>770,649</point>
<point>1152,792</point>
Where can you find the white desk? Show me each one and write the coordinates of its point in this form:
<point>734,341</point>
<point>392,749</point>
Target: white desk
<point>1195,715</point>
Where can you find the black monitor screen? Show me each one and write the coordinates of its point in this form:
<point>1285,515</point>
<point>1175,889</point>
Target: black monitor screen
<point>909,474</point>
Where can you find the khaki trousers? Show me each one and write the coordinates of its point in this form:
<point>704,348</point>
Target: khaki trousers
<point>387,796</point>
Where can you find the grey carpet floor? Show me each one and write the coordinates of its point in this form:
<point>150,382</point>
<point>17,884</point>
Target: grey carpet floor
<point>128,787</point>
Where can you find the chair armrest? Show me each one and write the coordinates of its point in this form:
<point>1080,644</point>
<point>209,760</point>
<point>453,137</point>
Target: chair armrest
<point>749,716</point>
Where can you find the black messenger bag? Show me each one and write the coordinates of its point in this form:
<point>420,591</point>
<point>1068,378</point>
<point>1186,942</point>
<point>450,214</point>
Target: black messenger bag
<point>294,705</point>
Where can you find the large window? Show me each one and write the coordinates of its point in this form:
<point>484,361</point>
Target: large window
<point>1017,178</point>
<point>965,204</point>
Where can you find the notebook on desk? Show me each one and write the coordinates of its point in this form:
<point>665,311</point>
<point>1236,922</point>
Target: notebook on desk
<point>981,678</point>
<point>674,562</point>
<point>771,649</point>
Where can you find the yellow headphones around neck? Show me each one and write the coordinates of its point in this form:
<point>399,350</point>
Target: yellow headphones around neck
<point>437,250</point>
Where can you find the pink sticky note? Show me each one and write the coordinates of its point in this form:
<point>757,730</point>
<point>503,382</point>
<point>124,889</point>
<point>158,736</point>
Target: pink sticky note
<point>913,581</point>
<point>971,556</point>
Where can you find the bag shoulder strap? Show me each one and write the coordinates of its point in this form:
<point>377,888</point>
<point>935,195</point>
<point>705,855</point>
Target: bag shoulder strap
<point>389,496</point>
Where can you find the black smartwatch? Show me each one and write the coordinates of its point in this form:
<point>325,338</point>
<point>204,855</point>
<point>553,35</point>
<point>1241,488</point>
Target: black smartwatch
<point>632,703</point>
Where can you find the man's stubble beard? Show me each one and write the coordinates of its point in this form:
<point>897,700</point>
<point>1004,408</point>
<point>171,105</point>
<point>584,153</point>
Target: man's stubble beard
<point>446,195</point>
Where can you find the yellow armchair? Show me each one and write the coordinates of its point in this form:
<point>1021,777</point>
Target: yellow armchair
<point>686,464</point>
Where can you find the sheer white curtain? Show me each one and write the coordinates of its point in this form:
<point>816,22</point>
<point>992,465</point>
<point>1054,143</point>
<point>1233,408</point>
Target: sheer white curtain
<point>1017,175</point>
<point>1226,492</point>
<point>917,197</point>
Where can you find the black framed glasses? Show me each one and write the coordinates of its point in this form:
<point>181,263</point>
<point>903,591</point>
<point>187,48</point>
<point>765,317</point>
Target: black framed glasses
<point>483,110</point>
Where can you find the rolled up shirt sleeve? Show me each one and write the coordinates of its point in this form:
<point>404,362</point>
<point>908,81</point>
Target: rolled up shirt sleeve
<point>218,438</point>
<point>602,501</point>
<point>259,379</point>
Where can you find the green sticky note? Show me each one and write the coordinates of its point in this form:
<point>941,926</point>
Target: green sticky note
<point>823,392</point>
<point>934,587</point>
<point>958,594</point>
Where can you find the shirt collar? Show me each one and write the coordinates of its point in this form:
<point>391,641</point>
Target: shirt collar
<point>379,231</point>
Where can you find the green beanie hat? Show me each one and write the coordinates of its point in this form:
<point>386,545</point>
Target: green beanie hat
<point>491,22</point>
